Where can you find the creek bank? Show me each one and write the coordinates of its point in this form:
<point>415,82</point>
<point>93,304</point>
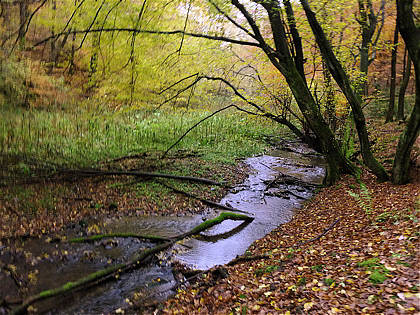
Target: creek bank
<point>266,194</point>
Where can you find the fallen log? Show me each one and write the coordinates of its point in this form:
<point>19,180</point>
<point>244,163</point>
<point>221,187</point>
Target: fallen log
<point>107,273</point>
<point>94,172</point>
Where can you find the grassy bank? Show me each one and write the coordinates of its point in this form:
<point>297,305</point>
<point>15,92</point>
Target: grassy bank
<point>83,138</point>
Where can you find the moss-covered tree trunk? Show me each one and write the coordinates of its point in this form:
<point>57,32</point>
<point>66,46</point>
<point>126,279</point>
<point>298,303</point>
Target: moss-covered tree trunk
<point>352,96</point>
<point>403,86</point>
<point>410,32</point>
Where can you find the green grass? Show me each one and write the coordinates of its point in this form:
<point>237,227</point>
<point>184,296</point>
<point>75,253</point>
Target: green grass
<point>82,138</point>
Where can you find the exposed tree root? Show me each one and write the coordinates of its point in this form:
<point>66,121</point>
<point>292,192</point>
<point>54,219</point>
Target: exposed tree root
<point>107,273</point>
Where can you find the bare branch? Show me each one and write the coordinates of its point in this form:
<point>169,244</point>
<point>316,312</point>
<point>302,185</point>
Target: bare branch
<point>231,20</point>
<point>90,26</point>
<point>133,30</point>
<point>177,82</point>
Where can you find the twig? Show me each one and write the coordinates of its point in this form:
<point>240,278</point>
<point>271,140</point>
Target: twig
<point>329,228</point>
<point>13,274</point>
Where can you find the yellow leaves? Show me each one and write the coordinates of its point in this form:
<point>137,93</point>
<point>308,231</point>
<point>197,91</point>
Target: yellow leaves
<point>12,267</point>
<point>256,307</point>
<point>407,295</point>
<point>315,289</point>
<point>307,306</point>
<point>94,228</point>
<point>335,310</point>
<point>32,276</point>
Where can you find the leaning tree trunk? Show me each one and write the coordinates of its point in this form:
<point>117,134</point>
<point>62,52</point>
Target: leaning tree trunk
<point>353,97</point>
<point>283,61</point>
<point>391,104</point>
<point>403,86</point>
<point>411,35</point>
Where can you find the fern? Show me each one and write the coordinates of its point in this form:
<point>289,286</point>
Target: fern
<point>364,198</point>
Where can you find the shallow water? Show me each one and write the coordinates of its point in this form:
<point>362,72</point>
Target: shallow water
<point>269,206</point>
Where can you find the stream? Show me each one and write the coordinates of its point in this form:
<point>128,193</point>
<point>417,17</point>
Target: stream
<point>270,204</point>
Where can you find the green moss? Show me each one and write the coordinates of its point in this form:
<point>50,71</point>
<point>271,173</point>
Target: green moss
<point>377,277</point>
<point>45,293</point>
<point>369,263</point>
<point>68,285</point>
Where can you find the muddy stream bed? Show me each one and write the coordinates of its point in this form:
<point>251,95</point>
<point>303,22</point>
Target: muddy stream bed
<point>270,202</point>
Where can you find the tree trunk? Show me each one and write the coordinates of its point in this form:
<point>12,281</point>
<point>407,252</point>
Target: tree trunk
<point>93,64</point>
<point>72,53</point>
<point>53,49</point>
<point>23,19</point>
<point>329,99</point>
<point>391,104</point>
<point>5,15</point>
<point>403,86</point>
<point>411,35</point>
<point>354,99</point>
<point>368,22</point>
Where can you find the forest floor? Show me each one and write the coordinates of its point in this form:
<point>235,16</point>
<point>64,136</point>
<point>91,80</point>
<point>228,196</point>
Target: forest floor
<point>351,249</point>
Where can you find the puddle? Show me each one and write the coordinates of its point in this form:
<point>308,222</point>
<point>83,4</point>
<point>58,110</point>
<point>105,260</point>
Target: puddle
<point>57,263</point>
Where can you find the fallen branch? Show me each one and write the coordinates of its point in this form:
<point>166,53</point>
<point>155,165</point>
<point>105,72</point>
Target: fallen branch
<point>329,228</point>
<point>244,258</point>
<point>143,174</point>
<point>107,273</point>
<point>205,201</point>
<point>93,238</point>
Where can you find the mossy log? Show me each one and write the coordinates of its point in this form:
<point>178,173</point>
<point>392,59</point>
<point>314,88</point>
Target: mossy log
<point>107,273</point>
